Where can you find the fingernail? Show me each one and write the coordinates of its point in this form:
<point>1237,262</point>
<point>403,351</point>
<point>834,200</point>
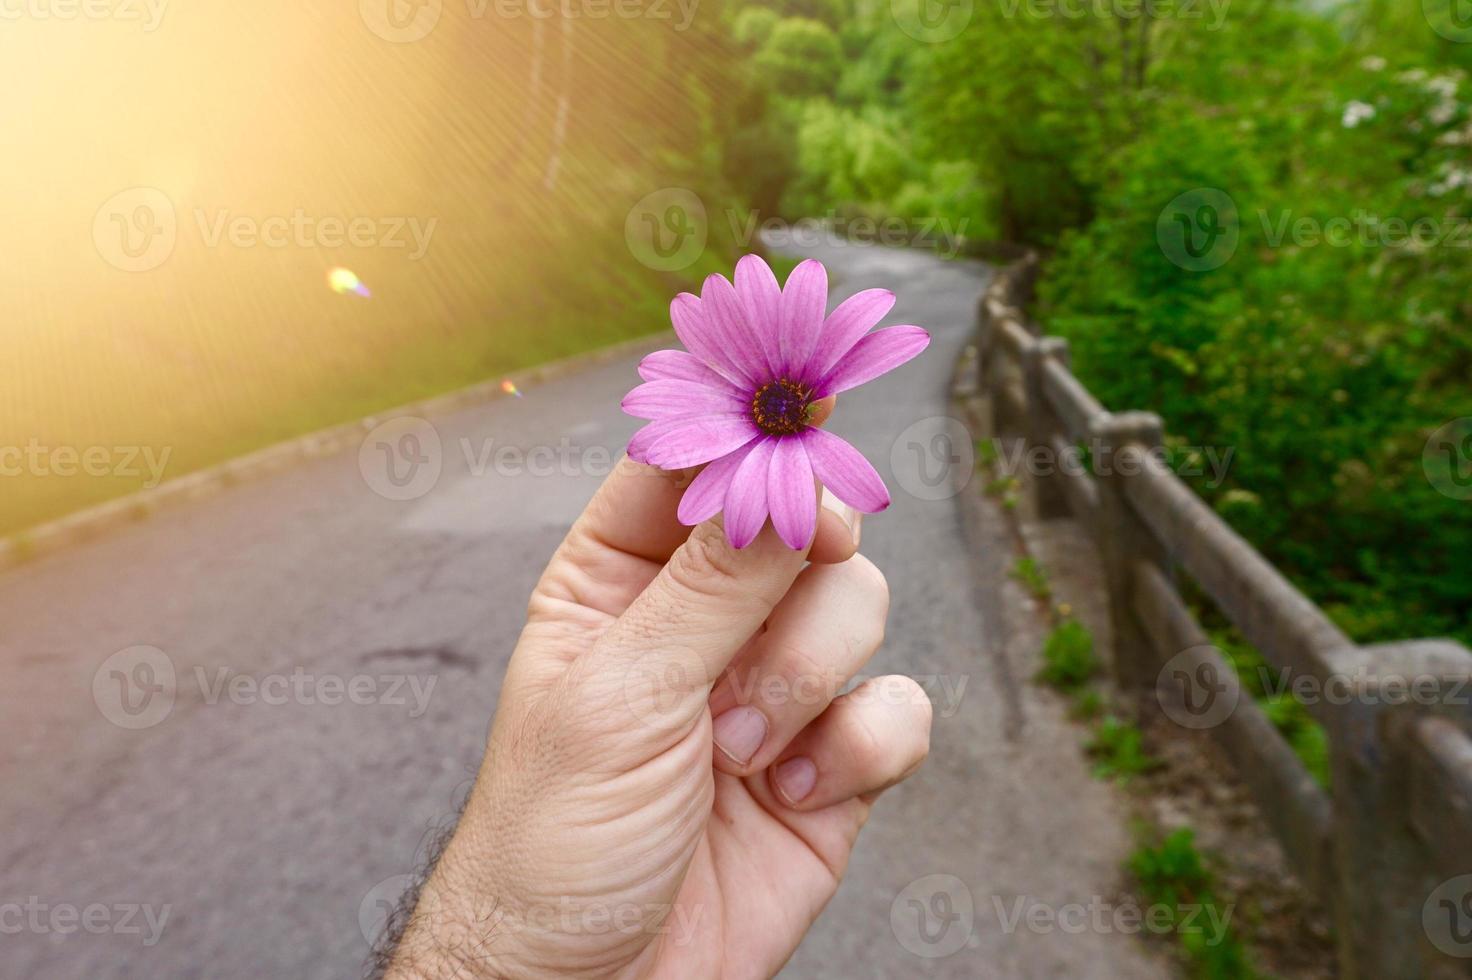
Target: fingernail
<point>740,732</point>
<point>847,514</point>
<point>796,779</point>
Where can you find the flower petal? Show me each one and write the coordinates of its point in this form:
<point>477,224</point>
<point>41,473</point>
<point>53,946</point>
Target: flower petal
<point>639,445</point>
<point>706,494</point>
<point>790,494</point>
<point>681,399</point>
<point>844,327</point>
<point>762,298</point>
<point>804,299</point>
<point>878,353</point>
<point>678,365</point>
<point>725,316</point>
<point>746,500</point>
<point>692,441</point>
<point>692,325</point>
<point>844,470</point>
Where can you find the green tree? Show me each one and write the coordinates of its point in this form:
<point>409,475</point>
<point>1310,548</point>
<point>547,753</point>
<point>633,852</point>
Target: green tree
<point>754,26</point>
<point>801,57</point>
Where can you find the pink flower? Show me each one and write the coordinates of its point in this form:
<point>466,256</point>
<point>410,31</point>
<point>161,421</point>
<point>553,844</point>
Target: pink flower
<point>741,400</point>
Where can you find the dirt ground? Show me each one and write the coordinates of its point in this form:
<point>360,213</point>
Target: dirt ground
<point>1285,929</point>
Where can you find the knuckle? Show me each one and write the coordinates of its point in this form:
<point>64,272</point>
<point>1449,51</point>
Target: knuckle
<point>809,680</point>
<point>531,740</point>
<point>642,631</point>
<point>705,564</point>
<point>611,702</point>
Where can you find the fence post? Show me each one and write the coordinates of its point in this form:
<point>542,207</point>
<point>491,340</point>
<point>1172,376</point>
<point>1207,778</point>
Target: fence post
<point>1021,281</point>
<point>1002,367</point>
<point>1124,540</point>
<point>986,350</point>
<point>1048,496</point>
<point>1384,874</point>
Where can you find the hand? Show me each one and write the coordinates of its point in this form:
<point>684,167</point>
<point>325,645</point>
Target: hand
<point>671,787</point>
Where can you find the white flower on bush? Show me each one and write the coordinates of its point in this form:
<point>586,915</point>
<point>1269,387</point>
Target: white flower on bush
<point>1456,137</point>
<point>1373,63</point>
<point>1452,178</point>
<point>1443,85</point>
<point>1442,113</point>
<point>1356,113</point>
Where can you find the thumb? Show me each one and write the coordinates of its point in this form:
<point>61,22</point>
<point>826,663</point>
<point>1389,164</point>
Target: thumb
<point>701,609</point>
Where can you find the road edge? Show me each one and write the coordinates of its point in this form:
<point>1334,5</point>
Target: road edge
<point>93,522</point>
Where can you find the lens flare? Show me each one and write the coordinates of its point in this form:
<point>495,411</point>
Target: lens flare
<point>510,388</point>
<point>341,281</point>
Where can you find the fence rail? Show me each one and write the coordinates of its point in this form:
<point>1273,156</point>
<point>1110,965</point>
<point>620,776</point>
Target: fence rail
<point>1385,847</point>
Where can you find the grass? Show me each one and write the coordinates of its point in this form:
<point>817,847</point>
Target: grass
<point>358,362</point>
<point>986,453</point>
<point>1070,665</point>
<point>1173,874</point>
<point>1118,750</point>
<point>1069,662</point>
<point>22,547</point>
<point>1001,486</point>
<point>234,415</point>
<point>1033,577</point>
<point>1087,705</point>
<point>1308,738</point>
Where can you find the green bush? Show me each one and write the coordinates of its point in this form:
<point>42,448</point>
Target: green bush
<point>950,199</point>
<point>1323,368</point>
<point>1307,737</point>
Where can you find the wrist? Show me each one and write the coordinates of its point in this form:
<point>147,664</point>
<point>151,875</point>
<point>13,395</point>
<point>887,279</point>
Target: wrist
<point>451,935</point>
<point>466,924</point>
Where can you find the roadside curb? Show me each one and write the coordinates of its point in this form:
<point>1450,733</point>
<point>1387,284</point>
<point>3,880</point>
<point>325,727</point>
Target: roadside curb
<point>92,522</point>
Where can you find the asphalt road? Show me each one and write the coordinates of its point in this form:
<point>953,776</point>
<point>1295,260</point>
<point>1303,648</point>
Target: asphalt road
<point>335,658</point>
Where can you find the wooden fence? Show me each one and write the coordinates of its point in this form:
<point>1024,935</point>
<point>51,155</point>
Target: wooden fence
<point>1386,846</point>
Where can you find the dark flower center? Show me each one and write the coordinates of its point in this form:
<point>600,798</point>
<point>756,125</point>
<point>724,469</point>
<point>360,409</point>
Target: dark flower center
<point>782,407</point>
